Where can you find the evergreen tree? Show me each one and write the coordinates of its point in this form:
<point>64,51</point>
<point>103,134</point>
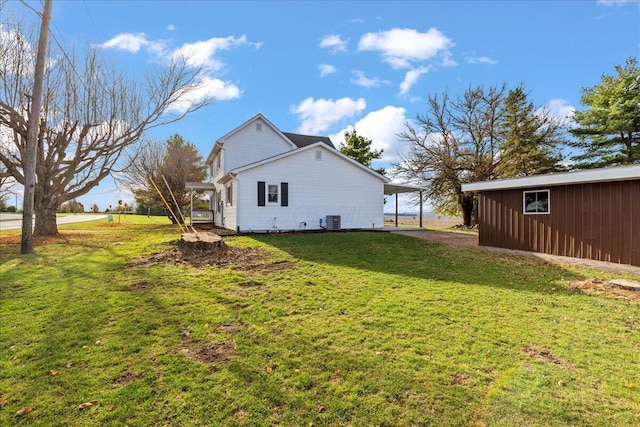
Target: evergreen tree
<point>530,138</point>
<point>608,131</point>
<point>359,149</point>
<point>175,160</point>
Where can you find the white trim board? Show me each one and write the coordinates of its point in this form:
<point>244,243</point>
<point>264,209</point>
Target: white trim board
<point>620,173</point>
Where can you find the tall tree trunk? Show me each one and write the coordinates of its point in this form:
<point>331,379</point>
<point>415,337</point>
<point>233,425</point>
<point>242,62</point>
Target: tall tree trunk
<point>466,203</point>
<point>45,224</point>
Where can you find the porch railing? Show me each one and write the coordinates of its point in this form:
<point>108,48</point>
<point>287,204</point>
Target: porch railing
<point>202,216</point>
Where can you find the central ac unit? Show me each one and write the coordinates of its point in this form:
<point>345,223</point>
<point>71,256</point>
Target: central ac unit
<point>333,222</point>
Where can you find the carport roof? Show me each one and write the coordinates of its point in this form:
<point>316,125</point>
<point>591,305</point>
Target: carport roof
<point>395,188</point>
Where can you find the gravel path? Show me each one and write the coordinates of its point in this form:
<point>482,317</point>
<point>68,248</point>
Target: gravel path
<point>471,240</point>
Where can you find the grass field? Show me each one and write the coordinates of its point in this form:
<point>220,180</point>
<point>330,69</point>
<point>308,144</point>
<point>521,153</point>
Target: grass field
<point>108,325</point>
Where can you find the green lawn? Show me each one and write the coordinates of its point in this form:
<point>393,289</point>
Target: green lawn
<point>360,329</point>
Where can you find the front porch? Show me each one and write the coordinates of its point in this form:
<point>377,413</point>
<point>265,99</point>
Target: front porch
<point>200,216</point>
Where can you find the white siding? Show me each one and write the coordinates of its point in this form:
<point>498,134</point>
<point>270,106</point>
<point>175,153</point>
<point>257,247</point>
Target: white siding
<point>317,188</point>
<point>230,210</point>
<point>248,145</point>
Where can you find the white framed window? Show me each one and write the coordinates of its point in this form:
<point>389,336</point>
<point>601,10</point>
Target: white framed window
<point>536,202</point>
<point>272,193</point>
<point>230,194</point>
<point>219,201</point>
<point>218,161</point>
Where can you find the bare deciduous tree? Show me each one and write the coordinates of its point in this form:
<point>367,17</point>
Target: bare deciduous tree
<point>91,114</point>
<point>455,142</point>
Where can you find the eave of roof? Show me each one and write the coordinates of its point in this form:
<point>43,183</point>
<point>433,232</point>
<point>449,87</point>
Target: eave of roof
<point>319,144</point>
<point>619,173</point>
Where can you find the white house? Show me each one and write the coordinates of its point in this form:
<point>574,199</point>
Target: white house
<point>263,179</point>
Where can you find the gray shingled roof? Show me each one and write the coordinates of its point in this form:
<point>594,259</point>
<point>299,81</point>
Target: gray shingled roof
<point>304,140</point>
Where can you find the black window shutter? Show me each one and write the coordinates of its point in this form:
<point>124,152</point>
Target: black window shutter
<point>284,197</point>
<point>261,193</point>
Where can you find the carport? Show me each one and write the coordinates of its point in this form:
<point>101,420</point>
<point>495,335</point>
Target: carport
<point>391,188</point>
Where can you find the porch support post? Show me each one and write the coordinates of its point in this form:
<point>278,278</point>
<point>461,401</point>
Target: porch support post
<point>396,209</point>
<point>420,208</point>
<point>191,207</point>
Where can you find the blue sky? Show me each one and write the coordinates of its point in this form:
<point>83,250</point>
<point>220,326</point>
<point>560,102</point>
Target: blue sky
<point>325,67</point>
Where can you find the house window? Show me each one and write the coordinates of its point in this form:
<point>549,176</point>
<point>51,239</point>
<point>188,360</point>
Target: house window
<point>230,194</point>
<point>273,193</point>
<point>318,155</point>
<point>219,202</point>
<point>536,202</point>
<point>218,162</point>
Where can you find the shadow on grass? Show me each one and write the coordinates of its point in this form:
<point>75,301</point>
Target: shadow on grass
<point>413,258</point>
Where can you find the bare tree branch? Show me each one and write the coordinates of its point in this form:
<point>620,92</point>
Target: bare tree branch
<point>92,114</point>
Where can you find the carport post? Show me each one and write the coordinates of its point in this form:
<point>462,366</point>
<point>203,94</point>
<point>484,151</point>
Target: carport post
<point>420,208</point>
<point>396,209</point>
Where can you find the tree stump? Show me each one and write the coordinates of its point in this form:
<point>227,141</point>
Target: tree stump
<point>200,242</point>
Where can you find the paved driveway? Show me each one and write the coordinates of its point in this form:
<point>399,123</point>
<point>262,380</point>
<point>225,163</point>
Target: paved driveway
<point>11,221</point>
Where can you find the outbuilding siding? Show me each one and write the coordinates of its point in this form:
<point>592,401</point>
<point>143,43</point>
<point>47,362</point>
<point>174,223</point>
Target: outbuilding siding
<point>599,221</point>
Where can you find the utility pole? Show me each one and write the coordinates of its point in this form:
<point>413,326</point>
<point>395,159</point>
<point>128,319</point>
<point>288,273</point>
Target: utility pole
<point>33,125</point>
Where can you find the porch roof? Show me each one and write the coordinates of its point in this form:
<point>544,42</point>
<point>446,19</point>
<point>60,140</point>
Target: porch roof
<point>200,186</point>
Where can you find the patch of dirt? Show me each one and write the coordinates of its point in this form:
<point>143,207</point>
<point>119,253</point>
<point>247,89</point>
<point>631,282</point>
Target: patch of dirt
<point>461,378</point>
<point>545,355</point>
<point>210,352</point>
<point>599,287</point>
<point>228,329</point>
<point>137,287</point>
<point>243,259</point>
<point>127,378</point>
<point>221,257</point>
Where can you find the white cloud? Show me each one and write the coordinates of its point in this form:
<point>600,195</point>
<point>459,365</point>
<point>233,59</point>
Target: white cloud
<point>411,78</point>
<point>382,127</point>
<point>613,2</point>
<point>400,47</point>
<point>202,53</point>
<point>132,43</point>
<point>319,115</point>
<point>447,60</point>
<point>207,87</point>
<point>334,43</point>
<point>12,42</point>
<point>480,60</point>
<point>559,110</point>
<point>362,80</point>
<point>326,69</point>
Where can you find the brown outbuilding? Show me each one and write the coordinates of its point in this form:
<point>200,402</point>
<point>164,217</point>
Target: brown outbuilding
<point>593,214</point>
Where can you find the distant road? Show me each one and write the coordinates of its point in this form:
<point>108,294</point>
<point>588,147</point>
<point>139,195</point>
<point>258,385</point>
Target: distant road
<point>11,221</point>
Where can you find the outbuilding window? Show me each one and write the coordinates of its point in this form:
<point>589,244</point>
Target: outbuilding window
<point>536,202</point>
